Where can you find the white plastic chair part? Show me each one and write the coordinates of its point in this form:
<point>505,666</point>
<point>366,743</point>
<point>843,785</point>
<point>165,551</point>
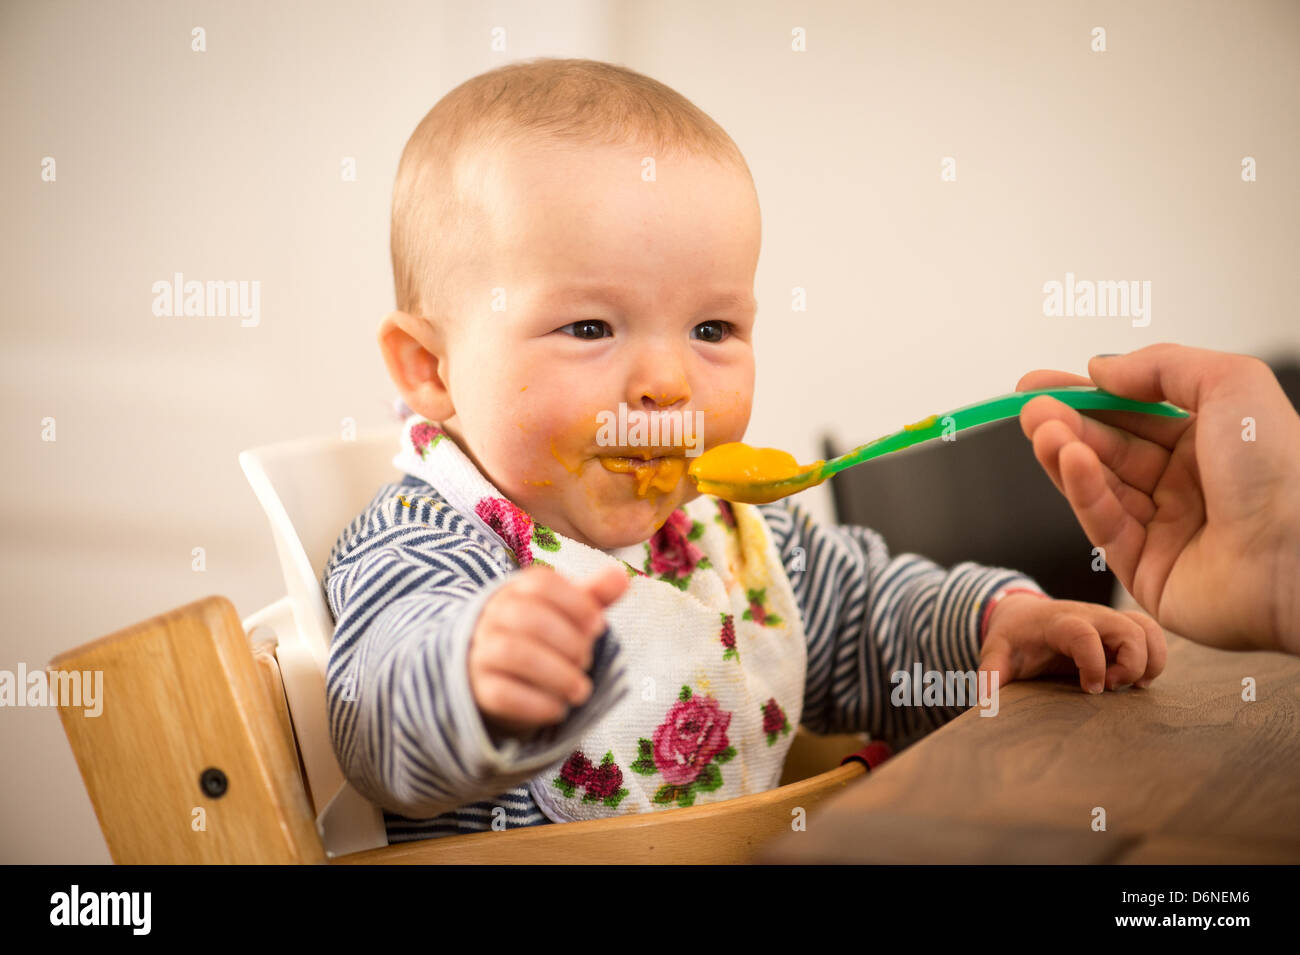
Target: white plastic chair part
<point>310,489</point>
<point>345,820</point>
<point>268,616</point>
<point>297,674</point>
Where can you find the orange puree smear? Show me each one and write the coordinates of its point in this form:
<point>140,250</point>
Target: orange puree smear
<point>730,471</point>
<point>556,455</point>
<point>659,474</point>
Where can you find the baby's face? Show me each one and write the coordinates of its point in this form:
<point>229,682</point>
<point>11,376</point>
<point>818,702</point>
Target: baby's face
<point>611,289</point>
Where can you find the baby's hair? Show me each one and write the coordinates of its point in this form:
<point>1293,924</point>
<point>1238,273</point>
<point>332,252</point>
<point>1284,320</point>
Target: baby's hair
<point>437,220</point>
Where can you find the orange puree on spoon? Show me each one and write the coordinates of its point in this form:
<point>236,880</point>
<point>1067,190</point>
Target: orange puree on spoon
<point>729,471</point>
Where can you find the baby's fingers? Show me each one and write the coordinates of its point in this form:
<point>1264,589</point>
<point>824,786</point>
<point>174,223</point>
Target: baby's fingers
<point>1157,649</point>
<point>514,705</point>
<point>535,663</point>
<point>1126,639</point>
<point>1073,636</point>
<point>996,657</point>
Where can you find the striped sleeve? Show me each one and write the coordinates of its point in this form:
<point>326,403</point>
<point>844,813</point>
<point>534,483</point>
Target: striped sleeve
<point>406,584</point>
<point>868,615</point>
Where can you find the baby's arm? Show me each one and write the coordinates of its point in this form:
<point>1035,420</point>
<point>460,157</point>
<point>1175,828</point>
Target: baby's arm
<point>407,591</point>
<point>869,614</point>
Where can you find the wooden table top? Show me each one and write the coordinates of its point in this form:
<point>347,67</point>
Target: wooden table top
<point>1186,771</point>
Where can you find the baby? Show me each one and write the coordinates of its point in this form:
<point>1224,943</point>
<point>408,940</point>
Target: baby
<point>538,623</point>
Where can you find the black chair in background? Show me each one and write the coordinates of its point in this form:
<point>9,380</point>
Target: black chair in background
<point>983,497</point>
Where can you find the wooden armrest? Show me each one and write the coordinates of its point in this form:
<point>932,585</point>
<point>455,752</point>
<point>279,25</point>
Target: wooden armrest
<point>189,760</point>
<point>732,831</point>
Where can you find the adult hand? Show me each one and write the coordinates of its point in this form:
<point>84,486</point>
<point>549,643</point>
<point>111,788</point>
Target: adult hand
<point>1199,518</point>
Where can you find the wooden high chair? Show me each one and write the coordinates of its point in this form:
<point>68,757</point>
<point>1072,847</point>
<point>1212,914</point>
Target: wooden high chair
<point>213,744</point>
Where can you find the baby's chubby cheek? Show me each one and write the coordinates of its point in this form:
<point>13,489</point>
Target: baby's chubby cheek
<point>528,462</point>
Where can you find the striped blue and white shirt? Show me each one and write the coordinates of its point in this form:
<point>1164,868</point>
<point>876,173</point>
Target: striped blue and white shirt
<point>407,579</point>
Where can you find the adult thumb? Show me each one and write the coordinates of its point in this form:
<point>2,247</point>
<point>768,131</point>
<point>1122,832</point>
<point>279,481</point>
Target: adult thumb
<point>1165,372</point>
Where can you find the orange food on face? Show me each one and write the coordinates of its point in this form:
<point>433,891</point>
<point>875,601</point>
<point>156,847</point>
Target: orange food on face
<point>728,469</point>
<point>660,474</point>
<point>556,454</point>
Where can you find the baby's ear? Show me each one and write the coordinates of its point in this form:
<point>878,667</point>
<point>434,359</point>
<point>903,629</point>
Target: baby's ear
<point>416,362</point>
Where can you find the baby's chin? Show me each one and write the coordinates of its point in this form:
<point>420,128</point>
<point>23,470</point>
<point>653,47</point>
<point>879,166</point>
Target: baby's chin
<point>622,524</point>
<point>622,530</point>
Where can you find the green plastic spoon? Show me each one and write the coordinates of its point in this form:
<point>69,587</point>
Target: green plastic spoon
<point>1082,397</point>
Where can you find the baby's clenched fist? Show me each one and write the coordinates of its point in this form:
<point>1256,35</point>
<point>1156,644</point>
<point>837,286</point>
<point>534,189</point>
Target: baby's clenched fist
<point>532,646</point>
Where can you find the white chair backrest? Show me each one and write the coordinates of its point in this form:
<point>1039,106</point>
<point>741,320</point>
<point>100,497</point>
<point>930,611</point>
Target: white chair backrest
<point>310,489</point>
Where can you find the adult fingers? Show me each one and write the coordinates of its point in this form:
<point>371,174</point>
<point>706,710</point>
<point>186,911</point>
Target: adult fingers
<point>1048,441</point>
<point>1101,514</point>
<point>1176,373</point>
<point>1132,459</point>
<point>1049,378</point>
<point>1155,429</point>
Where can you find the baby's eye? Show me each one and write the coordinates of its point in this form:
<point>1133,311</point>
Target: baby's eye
<point>716,331</point>
<point>590,329</point>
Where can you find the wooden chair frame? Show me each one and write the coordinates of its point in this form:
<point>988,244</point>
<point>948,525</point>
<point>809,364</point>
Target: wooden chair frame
<point>194,759</point>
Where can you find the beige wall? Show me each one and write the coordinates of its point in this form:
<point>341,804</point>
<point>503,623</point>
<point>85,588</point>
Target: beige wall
<point>922,294</point>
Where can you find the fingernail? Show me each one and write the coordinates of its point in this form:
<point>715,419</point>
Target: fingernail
<point>1094,687</point>
<point>1112,354</point>
<point>1143,683</point>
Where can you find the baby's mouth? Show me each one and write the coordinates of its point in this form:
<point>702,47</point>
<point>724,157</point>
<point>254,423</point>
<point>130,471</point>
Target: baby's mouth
<point>652,472</point>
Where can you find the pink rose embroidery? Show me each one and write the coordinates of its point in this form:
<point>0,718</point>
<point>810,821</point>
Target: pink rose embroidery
<point>758,609</point>
<point>604,783</point>
<point>687,749</point>
<point>774,720</point>
<point>425,436</point>
<point>670,553</point>
<point>728,638</point>
<point>575,770</point>
<point>605,780</point>
<point>517,529</point>
<point>511,524</point>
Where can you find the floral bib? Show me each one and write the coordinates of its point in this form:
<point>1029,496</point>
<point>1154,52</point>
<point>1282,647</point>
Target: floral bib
<point>708,628</point>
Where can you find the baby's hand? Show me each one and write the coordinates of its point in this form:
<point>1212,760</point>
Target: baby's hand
<point>1029,635</point>
<point>532,645</point>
